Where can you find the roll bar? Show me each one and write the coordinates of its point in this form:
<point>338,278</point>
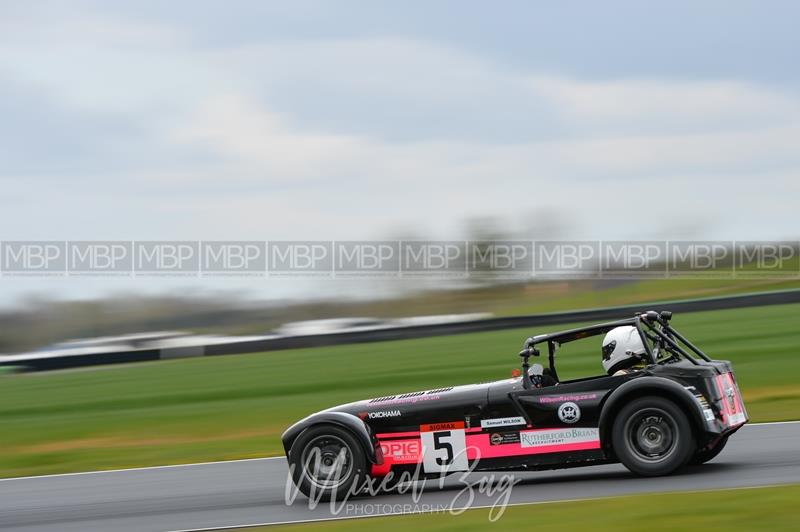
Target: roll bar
<point>652,325</point>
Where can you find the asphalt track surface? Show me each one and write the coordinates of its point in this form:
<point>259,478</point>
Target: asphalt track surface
<point>238,493</point>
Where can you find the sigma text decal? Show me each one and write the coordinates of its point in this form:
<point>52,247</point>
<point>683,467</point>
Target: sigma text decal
<point>542,438</point>
<point>502,422</point>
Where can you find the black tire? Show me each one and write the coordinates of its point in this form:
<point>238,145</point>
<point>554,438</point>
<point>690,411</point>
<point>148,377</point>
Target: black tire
<point>327,462</point>
<point>651,436</point>
<point>706,455</point>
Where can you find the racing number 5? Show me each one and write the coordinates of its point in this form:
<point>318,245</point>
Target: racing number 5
<point>444,447</point>
<point>438,444</point>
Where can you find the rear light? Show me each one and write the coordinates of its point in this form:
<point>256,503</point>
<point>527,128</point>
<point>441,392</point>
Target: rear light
<point>731,404</point>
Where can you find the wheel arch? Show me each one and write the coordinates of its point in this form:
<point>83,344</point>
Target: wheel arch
<point>642,387</point>
<point>349,422</point>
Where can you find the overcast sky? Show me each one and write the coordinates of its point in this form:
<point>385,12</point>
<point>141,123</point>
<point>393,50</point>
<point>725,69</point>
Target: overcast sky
<point>356,120</point>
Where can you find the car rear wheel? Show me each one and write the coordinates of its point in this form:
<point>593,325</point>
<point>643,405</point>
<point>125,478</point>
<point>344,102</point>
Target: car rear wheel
<point>706,455</point>
<point>327,463</point>
<point>651,436</point>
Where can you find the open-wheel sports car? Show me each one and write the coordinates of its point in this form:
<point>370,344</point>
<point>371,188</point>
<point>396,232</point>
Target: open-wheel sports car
<point>661,405</point>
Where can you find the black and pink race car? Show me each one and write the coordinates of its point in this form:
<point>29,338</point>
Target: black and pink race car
<point>678,406</point>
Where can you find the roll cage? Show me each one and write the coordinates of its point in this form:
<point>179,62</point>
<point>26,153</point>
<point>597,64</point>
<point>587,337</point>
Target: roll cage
<point>661,341</point>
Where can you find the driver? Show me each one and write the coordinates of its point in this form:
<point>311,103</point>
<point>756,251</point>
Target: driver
<point>623,351</point>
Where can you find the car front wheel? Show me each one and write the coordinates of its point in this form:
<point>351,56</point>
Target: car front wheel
<point>327,463</point>
<point>651,436</point>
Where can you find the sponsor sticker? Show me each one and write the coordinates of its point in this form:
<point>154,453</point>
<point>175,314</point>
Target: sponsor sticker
<point>402,451</point>
<point>383,413</point>
<point>571,397</point>
<point>709,414</point>
<point>500,438</point>
<point>569,413</point>
<point>502,422</point>
<point>545,437</point>
<point>434,427</point>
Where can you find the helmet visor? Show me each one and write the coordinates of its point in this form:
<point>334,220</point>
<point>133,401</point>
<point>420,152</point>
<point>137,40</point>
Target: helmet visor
<point>608,349</point>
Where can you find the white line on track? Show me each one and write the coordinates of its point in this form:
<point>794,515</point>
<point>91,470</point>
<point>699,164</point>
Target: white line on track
<point>246,460</point>
<point>143,468</point>
<point>482,507</point>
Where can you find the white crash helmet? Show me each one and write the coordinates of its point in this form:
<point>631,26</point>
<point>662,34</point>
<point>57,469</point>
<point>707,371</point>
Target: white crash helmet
<point>622,348</point>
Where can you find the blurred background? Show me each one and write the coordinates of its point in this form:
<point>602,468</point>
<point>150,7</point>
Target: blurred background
<point>370,120</point>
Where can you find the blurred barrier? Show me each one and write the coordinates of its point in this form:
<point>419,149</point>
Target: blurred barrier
<point>512,322</point>
<point>52,361</point>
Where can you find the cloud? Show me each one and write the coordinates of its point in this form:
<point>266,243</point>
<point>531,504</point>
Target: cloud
<point>264,145</point>
<point>256,142</point>
<point>350,137</point>
<point>399,89</point>
<point>646,106</point>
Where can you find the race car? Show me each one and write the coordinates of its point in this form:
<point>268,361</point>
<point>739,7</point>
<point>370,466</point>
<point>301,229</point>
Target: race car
<point>662,404</point>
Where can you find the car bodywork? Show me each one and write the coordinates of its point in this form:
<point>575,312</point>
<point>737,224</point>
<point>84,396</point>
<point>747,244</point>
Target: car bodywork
<point>513,424</point>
